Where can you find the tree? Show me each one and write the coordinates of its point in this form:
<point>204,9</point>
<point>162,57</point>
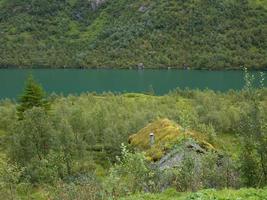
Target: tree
<point>32,144</point>
<point>33,96</point>
<point>67,144</point>
<point>129,175</point>
<point>252,128</point>
<point>32,137</point>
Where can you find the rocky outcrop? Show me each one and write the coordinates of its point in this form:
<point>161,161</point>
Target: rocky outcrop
<point>175,157</point>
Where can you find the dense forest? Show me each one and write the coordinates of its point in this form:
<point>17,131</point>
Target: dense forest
<point>212,34</point>
<point>91,146</point>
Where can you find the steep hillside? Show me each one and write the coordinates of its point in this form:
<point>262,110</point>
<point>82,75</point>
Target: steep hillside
<point>122,33</point>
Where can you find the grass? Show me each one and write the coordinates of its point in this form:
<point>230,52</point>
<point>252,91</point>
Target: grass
<point>226,194</point>
<point>262,3</point>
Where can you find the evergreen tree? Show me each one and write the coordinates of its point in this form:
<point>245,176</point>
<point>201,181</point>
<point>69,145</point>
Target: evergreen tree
<point>33,96</point>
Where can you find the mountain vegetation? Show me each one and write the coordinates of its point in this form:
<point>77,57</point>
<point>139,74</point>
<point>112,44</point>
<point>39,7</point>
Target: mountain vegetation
<point>78,148</point>
<point>204,195</point>
<point>211,34</point>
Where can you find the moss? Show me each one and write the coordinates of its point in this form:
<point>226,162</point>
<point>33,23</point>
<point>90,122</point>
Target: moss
<point>2,133</point>
<point>167,134</point>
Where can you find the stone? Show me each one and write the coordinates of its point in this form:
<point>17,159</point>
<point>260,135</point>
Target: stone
<point>143,9</point>
<point>95,4</point>
<point>175,157</point>
<point>141,66</point>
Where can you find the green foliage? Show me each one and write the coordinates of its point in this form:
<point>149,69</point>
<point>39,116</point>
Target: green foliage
<point>32,137</point>
<point>83,188</point>
<point>33,96</point>
<point>9,179</point>
<point>231,195</point>
<point>122,33</point>
<point>253,130</point>
<point>242,194</point>
<point>187,175</point>
<point>66,145</point>
<point>7,115</point>
<point>129,176</point>
<point>70,152</point>
<point>196,172</point>
<point>47,152</point>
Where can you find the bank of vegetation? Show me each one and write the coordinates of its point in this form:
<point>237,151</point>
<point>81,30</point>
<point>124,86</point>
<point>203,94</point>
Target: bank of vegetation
<point>211,34</point>
<point>76,147</point>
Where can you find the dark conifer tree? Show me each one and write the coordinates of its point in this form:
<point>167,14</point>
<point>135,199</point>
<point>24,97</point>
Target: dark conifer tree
<point>32,96</point>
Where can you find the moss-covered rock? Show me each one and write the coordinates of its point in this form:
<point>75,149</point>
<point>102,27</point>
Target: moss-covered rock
<point>167,134</point>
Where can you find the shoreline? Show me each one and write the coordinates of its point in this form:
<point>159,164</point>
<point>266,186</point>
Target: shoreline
<point>32,67</point>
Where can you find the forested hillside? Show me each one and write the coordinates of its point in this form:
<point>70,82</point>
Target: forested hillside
<point>122,33</point>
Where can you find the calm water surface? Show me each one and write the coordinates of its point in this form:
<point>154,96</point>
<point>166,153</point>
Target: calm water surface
<point>76,81</point>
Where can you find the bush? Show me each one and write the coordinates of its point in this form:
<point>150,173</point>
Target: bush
<point>129,176</point>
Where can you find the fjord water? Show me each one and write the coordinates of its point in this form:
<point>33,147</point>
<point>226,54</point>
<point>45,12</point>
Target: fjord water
<point>76,81</point>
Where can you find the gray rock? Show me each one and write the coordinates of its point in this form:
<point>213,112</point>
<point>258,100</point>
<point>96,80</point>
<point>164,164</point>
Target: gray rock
<point>141,66</point>
<point>95,4</point>
<point>143,9</point>
<point>78,16</point>
<point>175,157</point>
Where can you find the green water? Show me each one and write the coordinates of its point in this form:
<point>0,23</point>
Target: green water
<point>76,81</point>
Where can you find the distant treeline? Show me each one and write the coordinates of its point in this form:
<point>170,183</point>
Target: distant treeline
<point>210,34</point>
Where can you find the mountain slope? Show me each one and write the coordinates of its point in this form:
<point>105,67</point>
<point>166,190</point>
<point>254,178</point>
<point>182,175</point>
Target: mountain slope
<point>214,34</point>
